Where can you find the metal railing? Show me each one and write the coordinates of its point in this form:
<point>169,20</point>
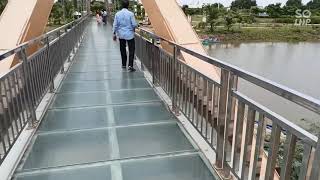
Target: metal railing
<point>23,86</point>
<point>249,140</point>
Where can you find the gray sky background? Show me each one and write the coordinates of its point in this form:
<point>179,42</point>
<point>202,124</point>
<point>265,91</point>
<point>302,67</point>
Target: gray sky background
<point>228,2</point>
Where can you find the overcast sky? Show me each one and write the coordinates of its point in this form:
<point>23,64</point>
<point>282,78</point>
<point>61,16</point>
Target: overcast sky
<point>228,2</point>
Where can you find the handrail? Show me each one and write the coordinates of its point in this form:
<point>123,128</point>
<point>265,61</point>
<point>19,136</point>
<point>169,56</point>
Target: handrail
<point>232,124</point>
<point>38,39</point>
<point>301,99</point>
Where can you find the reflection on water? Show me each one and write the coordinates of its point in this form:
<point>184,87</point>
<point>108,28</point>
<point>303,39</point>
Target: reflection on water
<point>295,65</point>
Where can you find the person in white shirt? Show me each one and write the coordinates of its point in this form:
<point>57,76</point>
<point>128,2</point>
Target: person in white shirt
<point>124,27</point>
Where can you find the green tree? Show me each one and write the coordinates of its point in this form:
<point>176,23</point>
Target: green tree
<point>56,14</point>
<point>139,10</point>
<point>97,6</point>
<point>274,10</point>
<point>289,10</point>
<point>256,10</point>
<point>314,4</point>
<point>212,14</point>
<point>3,4</point>
<point>69,10</point>
<point>75,4</point>
<point>243,4</point>
<point>228,21</point>
<point>294,3</point>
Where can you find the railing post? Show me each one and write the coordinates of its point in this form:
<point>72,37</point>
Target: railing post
<point>32,120</point>
<point>175,108</point>
<point>222,120</point>
<point>51,89</point>
<point>68,45</point>
<point>60,57</point>
<point>152,61</point>
<point>141,53</point>
<point>315,173</point>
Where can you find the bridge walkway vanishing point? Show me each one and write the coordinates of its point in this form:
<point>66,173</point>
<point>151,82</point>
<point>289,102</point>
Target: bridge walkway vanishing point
<point>107,123</point>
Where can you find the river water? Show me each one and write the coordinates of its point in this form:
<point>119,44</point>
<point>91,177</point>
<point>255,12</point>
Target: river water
<point>295,65</point>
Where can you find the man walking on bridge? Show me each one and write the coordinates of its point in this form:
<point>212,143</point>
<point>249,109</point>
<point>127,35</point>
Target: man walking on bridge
<point>124,27</point>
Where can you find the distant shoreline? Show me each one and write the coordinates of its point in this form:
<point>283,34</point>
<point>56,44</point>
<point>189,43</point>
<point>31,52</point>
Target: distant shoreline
<point>282,34</point>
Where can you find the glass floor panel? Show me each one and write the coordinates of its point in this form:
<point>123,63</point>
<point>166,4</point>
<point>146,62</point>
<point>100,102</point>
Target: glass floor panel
<point>142,113</point>
<point>69,148</point>
<point>83,173</point>
<point>100,76</point>
<point>106,68</point>
<point>69,100</point>
<point>178,167</point>
<point>128,84</point>
<point>80,66</point>
<point>131,96</point>
<point>94,61</point>
<point>68,119</point>
<point>186,167</point>
<point>83,87</point>
<point>93,58</point>
<point>151,139</point>
<point>103,85</point>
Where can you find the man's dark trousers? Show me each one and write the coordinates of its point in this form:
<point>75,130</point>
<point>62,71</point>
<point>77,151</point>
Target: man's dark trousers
<point>131,44</point>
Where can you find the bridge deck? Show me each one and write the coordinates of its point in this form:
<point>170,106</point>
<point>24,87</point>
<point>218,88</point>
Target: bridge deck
<point>106,123</point>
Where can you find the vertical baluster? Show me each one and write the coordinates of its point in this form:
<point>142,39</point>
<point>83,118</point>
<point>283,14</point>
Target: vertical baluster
<point>273,151</point>
<point>186,93</point>
<point>20,95</point>
<point>223,102</point>
<point>42,62</point>
<point>35,77</point>
<point>3,128</point>
<point>189,92</point>
<point>259,141</point>
<point>14,91</point>
<point>315,173</point>
<point>193,105</point>
<point>13,102</point>
<point>179,80</point>
<point>237,138</point>
<point>152,60</point>
<point>247,141</point>
<point>26,73</point>
<point>183,82</point>
<point>5,118</point>
<point>207,111</point>
<point>50,64</point>
<point>201,101</point>
<point>305,161</point>
<point>10,109</point>
<point>213,106</point>
<point>198,90</point>
<point>289,149</point>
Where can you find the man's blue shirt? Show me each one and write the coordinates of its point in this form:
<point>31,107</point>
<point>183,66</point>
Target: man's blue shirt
<point>124,24</point>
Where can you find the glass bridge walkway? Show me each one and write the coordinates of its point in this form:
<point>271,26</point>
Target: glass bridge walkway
<point>109,124</point>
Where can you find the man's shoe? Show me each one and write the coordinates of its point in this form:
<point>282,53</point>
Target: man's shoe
<point>131,69</point>
<point>124,67</point>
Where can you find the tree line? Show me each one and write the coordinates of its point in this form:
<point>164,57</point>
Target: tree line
<point>246,11</point>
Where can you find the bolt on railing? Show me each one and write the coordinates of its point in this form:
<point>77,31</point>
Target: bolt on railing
<point>249,139</point>
<point>23,86</point>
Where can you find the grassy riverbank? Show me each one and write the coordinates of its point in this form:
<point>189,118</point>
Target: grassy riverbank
<point>265,34</point>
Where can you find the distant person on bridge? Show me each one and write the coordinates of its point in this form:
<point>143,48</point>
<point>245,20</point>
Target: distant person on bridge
<point>104,16</point>
<point>124,27</point>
